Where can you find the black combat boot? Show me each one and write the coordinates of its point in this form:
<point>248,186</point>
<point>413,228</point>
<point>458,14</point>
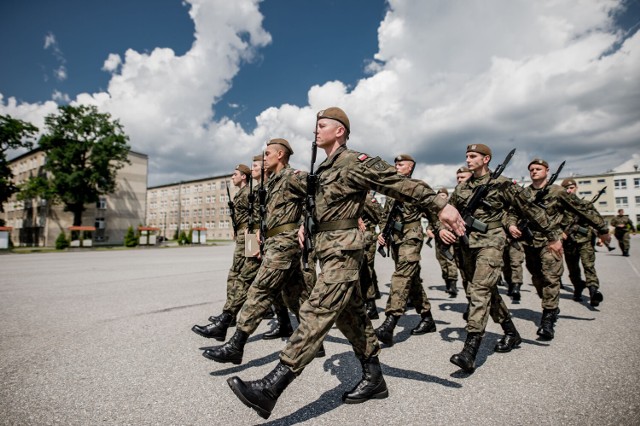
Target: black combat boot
<point>217,329</point>
<point>372,385</point>
<point>549,317</point>
<point>510,287</point>
<point>270,313</point>
<point>467,358</point>
<point>372,309</point>
<point>231,351</point>
<point>385,331</point>
<point>515,294</point>
<point>595,295</point>
<point>283,326</point>
<point>426,324</point>
<point>625,253</point>
<point>577,291</point>
<point>262,395</point>
<point>465,314</point>
<point>215,318</point>
<point>452,288</point>
<point>511,338</point>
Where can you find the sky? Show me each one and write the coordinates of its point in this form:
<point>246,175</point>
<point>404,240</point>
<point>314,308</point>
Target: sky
<point>201,85</point>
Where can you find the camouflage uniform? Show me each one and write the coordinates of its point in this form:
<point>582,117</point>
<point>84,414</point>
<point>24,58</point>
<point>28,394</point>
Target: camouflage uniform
<point>344,179</point>
<point>513,258</point>
<point>371,216</point>
<point>578,247</point>
<point>482,258</point>
<point>243,269</point>
<point>622,226</point>
<point>405,250</point>
<point>448,267</point>
<point>281,261</point>
<point>545,268</point>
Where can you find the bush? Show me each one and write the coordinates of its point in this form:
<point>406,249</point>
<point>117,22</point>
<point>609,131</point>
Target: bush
<point>175,235</point>
<point>130,238</point>
<point>183,239</point>
<point>62,242</point>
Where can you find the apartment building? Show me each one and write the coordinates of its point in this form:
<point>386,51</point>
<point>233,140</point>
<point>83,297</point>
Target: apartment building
<point>38,223</point>
<point>200,203</point>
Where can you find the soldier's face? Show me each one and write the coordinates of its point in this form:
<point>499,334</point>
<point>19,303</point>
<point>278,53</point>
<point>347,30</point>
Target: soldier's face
<point>404,167</point>
<point>236,177</point>
<point>327,132</point>
<point>463,176</point>
<point>255,170</point>
<point>571,189</point>
<point>538,172</point>
<point>476,161</point>
<point>271,158</point>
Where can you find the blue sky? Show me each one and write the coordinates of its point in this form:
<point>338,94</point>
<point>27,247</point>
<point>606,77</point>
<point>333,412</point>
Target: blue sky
<point>200,85</point>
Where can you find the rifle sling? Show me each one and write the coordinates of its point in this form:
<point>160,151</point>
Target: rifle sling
<point>336,225</point>
<point>494,225</point>
<point>282,228</point>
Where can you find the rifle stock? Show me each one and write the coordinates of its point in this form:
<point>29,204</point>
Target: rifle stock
<point>232,210</point>
<point>310,204</point>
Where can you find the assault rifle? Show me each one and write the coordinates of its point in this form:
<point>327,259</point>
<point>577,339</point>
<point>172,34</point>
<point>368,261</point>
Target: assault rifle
<point>524,224</point>
<point>476,200</point>
<point>310,204</point>
<point>232,210</point>
<point>262,203</point>
<point>252,200</point>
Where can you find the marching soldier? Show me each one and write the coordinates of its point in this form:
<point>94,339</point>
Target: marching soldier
<point>344,178</point>
<point>622,226</point>
<point>280,265</point>
<point>578,248</point>
<point>544,265</point>
<point>482,257</point>
<point>513,258</point>
<point>462,175</point>
<point>243,268</point>
<point>406,244</point>
<point>371,217</point>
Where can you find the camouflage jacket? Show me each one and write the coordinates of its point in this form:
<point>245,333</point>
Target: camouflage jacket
<point>241,204</point>
<point>622,222</point>
<point>503,195</point>
<point>576,228</point>
<point>372,213</point>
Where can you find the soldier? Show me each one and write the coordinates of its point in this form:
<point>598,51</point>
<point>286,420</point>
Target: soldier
<point>578,248</point>
<point>344,178</point>
<point>545,266</point>
<point>371,217</point>
<point>513,258</point>
<point>407,242</point>
<point>447,264</point>
<point>243,268</point>
<point>482,257</point>
<point>281,261</point>
<point>622,226</point>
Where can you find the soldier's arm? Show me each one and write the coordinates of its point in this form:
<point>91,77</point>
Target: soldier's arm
<point>523,207</point>
<point>583,210</point>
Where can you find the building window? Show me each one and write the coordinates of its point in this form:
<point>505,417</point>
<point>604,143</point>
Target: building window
<point>622,202</point>
<point>636,182</point>
<point>100,223</point>
<point>584,182</point>
<point>101,204</point>
<point>601,180</point>
<point>584,193</point>
<point>620,183</point>
<point>602,203</point>
<point>637,200</point>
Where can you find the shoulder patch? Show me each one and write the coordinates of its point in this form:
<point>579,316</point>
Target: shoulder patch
<point>362,157</point>
<point>377,164</point>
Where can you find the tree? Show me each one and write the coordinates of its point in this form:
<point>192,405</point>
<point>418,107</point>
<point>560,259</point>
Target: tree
<point>62,242</point>
<point>14,134</point>
<point>130,239</point>
<point>84,150</point>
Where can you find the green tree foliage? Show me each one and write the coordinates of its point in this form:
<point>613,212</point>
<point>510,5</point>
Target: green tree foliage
<point>14,134</point>
<point>84,150</point>
<point>130,238</point>
<point>62,242</point>
<point>183,239</point>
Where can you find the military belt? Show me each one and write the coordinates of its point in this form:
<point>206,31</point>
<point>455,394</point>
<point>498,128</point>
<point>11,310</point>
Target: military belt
<point>241,226</point>
<point>494,225</point>
<point>336,225</point>
<point>282,228</point>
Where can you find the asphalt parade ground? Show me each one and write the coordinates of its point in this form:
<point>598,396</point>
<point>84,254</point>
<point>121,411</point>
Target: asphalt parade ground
<point>103,337</point>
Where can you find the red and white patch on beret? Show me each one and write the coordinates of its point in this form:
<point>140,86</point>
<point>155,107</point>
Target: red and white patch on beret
<point>362,157</point>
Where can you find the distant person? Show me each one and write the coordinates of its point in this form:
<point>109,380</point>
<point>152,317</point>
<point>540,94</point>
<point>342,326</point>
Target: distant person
<point>622,226</point>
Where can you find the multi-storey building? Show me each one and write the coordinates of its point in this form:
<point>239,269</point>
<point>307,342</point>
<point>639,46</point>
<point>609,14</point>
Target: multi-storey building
<point>37,223</point>
<point>200,203</point>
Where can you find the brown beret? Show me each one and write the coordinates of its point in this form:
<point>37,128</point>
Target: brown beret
<point>282,142</point>
<point>539,161</point>
<point>568,182</point>
<point>259,157</point>
<point>337,114</point>
<point>243,169</point>
<point>404,157</point>
<point>480,148</point>
<point>463,170</point>
<point>443,191</point>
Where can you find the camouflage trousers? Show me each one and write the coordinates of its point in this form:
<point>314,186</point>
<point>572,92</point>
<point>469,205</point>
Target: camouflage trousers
<point>336,298</point>
<point>576,252</point>
<point>513,260</point>
<point>241,275</point>
<point>457,256</point>
<point>546,272</point>
<point>368,278</point>
<point>483,265</point>
<point>405,280</point>
<point>624,239</point>
<point>448,267</point>
<point>280,271</point>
